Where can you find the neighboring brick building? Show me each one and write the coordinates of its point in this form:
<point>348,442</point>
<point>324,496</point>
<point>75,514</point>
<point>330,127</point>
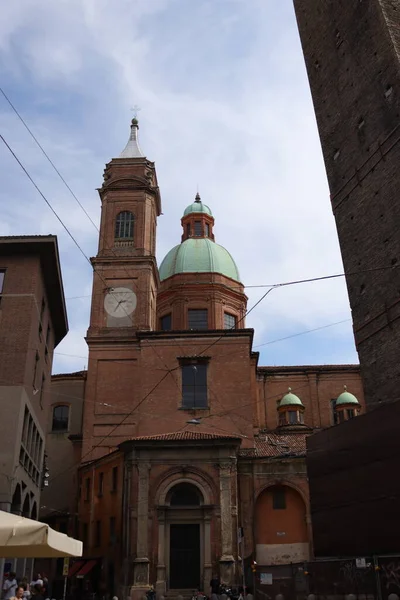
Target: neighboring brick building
<point>32,322</point>
<point>64,452</point>
<point>185,439</point>
<point>352,53</point>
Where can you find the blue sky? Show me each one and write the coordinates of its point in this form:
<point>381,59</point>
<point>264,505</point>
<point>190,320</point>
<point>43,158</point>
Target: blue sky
<point>225,106</point>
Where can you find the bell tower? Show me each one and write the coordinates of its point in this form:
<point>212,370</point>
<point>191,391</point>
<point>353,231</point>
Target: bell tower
<point>125,271</point>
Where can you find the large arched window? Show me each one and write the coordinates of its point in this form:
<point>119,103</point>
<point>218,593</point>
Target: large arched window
<point>60,418</point>
<point>124,226</point>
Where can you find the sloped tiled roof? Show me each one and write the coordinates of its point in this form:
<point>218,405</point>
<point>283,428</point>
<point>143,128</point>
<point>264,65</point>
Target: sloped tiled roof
<point>67,375</point>
<point>272,445</point>
<point>184,435</point>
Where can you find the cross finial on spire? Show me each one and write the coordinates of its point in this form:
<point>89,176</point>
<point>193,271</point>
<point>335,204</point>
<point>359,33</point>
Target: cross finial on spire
<point>135,109</point>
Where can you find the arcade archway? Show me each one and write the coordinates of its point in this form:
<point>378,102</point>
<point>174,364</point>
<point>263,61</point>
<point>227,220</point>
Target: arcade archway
<point>280,526</point>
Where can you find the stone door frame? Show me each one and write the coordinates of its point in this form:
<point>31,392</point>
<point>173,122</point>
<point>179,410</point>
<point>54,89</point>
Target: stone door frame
<point>199,515</point>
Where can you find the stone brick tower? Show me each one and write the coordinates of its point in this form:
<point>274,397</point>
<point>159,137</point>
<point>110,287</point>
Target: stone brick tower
<point>125,283</point>
<point>125,269</point>
<point>352,54</point>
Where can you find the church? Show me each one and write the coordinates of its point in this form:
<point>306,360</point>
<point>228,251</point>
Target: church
<point>192,455</point>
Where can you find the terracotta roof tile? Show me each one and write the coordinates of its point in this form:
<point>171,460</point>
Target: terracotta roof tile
<point>184,435</point>
<point>296,368</point>
<point>272,445</point>
<point>66,375</point>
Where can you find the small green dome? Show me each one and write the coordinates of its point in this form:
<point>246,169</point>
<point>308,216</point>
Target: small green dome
<point>346,398</point>
<point>198,255</point>
<point>197,207</point>
<point>290,399</point>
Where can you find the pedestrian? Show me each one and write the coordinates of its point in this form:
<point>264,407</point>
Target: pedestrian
<point>37,580</point>
<point>19,593</point>
<point>10,586</point>
<point>215,584</point>
<point>24,583</point>
<point>38,592</point>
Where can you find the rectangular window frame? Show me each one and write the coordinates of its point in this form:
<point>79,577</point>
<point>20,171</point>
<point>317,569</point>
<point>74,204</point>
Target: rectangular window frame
<point>60,424</point>
<point>207,230</point>
<point>87,489</point>
<point>2,279</point>
<point>166,319</point>
<point>42,309</point>
<point>42,386</point>
<point>230,321</point>
<point>46,347</point>
<point>197,319</point>
<point>114,480</point>
<point>334,415</point>
<point>97,536</point>
<point>279,499</point>
<point>194,376</point>
<point>113,530</point>
<point>35,369</point>
<point>198,230</point>
<point>100,489</point>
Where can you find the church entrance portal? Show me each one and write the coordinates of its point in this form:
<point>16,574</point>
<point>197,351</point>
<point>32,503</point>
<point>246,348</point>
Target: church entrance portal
<point>184,556</point>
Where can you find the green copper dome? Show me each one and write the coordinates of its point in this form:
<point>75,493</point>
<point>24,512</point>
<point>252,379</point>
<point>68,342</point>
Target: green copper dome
<point>290,399</point>
<point>346,398</point>
<point>197,207</point>
<point>198,255</point>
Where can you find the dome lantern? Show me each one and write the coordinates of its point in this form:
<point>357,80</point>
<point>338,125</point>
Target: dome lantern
<point>291,410</point>
<point>346,406</point>
<point>200,282</point>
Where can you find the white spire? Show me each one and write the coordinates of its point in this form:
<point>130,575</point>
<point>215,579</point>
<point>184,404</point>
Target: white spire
<point>132,149</point>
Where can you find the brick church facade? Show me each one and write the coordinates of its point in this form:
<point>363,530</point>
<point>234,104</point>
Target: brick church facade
<point>183,438</point>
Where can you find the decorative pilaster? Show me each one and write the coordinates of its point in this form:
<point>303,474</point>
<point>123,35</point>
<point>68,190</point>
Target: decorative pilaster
<point>161,583</point>
<point>207,574</point>
<point>141,562</point>
<point>227,561</point>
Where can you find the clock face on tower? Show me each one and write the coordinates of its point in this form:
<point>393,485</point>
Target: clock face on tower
<point>120,302</point>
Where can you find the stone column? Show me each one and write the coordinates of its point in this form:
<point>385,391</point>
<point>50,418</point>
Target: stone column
<point>227,561</point>
<point>161,583</point>
<point>141,562</point>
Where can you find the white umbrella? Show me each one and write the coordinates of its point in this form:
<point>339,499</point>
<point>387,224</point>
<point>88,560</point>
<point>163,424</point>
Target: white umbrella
<point>26,538</point>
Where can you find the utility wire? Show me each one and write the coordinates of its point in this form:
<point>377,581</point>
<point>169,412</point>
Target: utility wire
<point>126,417</point>
<point>219,414</point>
<point>73,195</point>
<point>65,227</point>
<point>47,156</point>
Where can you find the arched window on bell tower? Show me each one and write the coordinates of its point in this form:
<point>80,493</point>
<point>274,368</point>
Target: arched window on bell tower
<point>124,226</point>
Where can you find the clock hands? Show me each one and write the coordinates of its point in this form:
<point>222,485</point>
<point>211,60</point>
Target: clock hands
<point>120,302</point>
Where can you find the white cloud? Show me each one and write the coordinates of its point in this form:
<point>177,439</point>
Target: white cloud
<point>226,105</point>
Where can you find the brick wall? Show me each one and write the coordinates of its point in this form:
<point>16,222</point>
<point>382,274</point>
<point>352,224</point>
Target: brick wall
<point>316,386</point>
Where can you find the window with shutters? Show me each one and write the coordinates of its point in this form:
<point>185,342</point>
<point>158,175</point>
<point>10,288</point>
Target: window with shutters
<point>198,318</point>
<point>124,226</point>
<point>197,228</point>
<point>60,418</point>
